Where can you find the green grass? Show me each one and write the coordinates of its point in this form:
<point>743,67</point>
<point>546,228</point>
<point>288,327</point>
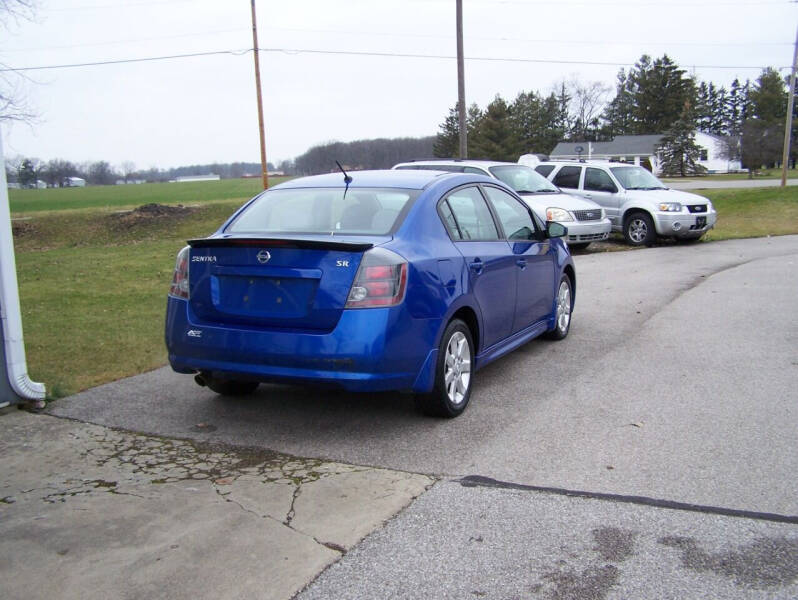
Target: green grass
<point>93,283</point>
<point>128,196</point>
<point>744,213</point>
<point>93,299</point>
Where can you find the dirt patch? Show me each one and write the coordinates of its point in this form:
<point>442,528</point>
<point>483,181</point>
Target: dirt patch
<point>147,214</point>
<point>21,229</point>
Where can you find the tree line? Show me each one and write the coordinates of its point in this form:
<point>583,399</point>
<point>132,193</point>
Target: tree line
<point>655,96</point>
<point>56,173</point>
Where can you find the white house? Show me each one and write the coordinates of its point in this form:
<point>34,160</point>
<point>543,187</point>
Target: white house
<point>642,150</point>
<point>74,182</point>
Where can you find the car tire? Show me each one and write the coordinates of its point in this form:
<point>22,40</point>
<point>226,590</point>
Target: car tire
<point>564,303</point>
<point>453,369</point>
<point>231,387</point>
<point>638,229</point>
<point>579,246</point>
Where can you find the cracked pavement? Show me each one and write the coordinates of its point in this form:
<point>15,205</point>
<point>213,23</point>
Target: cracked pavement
<point>110,513</point>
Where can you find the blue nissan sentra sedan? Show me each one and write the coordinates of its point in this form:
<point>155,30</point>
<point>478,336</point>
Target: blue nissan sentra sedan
<point>375,280</point>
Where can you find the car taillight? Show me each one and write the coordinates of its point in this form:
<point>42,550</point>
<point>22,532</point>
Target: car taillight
<point>179,287</point>
<point>381,280</point>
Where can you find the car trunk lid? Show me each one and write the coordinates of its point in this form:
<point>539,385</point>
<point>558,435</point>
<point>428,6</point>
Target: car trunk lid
<point>292,283</point>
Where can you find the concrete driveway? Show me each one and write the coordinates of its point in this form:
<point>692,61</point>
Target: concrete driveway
<point>650,454</point>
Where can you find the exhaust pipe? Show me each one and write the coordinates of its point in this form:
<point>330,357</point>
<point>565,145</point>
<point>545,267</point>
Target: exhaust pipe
<point>200,379</point>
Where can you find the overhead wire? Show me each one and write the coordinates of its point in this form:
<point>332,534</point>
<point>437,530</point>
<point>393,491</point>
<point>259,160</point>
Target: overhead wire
<point>291,51</point>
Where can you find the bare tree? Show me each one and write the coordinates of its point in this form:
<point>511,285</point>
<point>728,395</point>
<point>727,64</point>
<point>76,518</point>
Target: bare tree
<point>13,103</point>
<point>586,102</point>
<point>127,167</point>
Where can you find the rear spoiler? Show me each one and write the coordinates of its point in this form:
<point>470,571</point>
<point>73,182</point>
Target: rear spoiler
<point>280,243</point>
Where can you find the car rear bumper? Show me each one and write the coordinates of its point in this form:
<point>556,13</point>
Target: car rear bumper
<point>588,231</point>
<point>685,225</point>
<point>369,350</point>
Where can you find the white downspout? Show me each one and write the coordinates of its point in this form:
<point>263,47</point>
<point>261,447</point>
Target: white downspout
<point>10,314</point>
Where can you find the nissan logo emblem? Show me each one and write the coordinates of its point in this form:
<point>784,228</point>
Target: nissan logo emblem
<point>264,256</point>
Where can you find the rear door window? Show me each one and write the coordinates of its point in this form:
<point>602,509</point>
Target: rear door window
<point>544,169</point>
<point>471,215</point>
<point>568,177</point>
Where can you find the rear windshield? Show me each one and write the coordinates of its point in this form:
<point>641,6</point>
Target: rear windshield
<point>324,210</point>
<point>523,179</point>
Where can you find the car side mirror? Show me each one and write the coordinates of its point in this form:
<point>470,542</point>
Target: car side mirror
<point>555,230</point>
<point>609,187</point>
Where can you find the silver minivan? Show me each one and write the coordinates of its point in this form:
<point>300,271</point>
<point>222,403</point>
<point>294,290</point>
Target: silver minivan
<point>585,220</point>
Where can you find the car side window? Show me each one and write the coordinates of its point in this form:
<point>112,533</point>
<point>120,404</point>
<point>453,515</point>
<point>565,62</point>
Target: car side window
<point>449,221</point>
<point>568,177</point>
<point>513,215</point>
<point>544,169</point>
<point>598,181</point>
<point>472,216</point>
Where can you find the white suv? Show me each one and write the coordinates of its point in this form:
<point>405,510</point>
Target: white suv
<point>586,221</point>
<point>638,204</point>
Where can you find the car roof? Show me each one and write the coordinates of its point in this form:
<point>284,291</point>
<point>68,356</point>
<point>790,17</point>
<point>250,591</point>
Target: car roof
<point>465,162</point>
<point>407,179</point>
<point>586,163</point>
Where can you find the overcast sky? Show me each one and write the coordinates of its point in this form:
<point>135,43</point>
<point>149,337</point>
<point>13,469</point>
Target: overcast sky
<point>182,111</point>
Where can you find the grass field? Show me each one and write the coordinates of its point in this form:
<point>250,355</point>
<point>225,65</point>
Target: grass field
<point>118,197</point>
<point>93,282</point>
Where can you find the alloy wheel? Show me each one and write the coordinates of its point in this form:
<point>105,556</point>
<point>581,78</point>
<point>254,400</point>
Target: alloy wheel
<point>457,368</point>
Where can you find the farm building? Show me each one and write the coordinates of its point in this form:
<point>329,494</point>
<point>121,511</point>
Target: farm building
<point>642,150</point>
<point>208,177</point>
<point>74,182</point>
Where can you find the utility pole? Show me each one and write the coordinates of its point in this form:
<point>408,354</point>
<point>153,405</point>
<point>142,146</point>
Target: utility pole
<point>255,52</point>
<point>461,107</point>
<point>785,157</point>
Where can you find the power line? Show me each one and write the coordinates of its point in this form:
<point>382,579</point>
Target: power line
<point>126,60</point>
<point>291,51</point>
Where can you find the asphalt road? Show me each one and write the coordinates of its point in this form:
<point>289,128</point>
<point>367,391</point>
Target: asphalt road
<point>650,454</point>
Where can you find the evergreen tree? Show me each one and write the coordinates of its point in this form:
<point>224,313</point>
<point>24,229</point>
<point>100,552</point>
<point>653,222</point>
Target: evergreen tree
<point>617,116</point>
<point>563,118</point>
<point>703,108</point>
<point>678,152</point>
<point>736,107</point>
<point>496,137</point>
<point>447,142</point>
<point>660,90</point>
<point>769,97</point>
<point>534,121</point>
<point>719,112</point>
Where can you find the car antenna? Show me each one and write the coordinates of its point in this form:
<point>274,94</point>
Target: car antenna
<point>347,178</point>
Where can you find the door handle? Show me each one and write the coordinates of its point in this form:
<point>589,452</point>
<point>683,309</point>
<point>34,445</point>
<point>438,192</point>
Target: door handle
<point>521,262</point>
<point>477,265</point>
<point>588,195</point>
